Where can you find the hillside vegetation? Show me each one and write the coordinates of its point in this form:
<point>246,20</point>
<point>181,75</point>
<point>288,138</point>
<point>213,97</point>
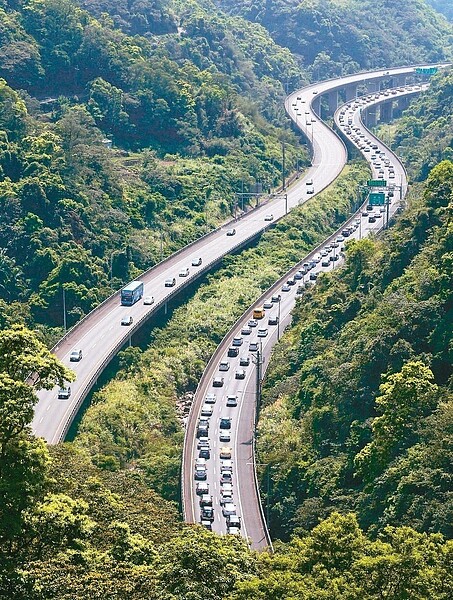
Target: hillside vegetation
<point>358,398</point>
<point>334,37</point>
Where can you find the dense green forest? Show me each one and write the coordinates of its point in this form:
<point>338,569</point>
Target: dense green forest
<point>87,218</point>
<point>335,37</point>
<point>355,428</point>
<point>357,409</point>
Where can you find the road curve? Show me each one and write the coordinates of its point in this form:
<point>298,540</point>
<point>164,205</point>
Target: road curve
<point>348,119</point>
<point>100,334</point>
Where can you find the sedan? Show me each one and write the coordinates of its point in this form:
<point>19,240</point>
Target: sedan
<point>231,232</point>
<point>64,393</point>
<point>148,300</point>
<point>196,262</point>
<point>253,347</point>
<point>184,272</point>
<point>244,361</point>
<point>217,382</point>
<point>240,374</point>
<point>224,366</point>
<point>262,332</point>
<point>75,356</point>
<point>272,320</point>
<point>225,436</point>
<point>225,452</point>
<point>210,398</point>
<point>232,400</point>
<point>286,288</point>
<point>246,331</point>
<point>252,323</point>
<point>171,282</point>
<point>269,217</point>
<point>127,320</point>
<point>206,410</point>
<point>325,262</point>
<point>237,341</point>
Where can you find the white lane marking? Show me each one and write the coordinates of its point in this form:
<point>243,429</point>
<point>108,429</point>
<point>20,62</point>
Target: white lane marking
<point>48,408</point>
<point>41,420</point>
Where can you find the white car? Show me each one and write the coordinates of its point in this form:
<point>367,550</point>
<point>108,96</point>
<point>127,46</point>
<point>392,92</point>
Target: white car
<point>75,355</point>
<point>229,509</point>
<point>184,272</point>
<point>206,410</point>
<point>148,300</point>
<point>269,217</point>
<point>210,398</point>
<point>232,400</point>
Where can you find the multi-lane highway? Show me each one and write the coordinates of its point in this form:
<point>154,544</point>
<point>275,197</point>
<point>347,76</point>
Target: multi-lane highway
<point>218,463</point>
<point>100,335</point>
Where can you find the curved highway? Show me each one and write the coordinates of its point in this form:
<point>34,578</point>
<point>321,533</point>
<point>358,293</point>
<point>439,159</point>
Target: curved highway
<point>227,392</point>
<point>100,335</point>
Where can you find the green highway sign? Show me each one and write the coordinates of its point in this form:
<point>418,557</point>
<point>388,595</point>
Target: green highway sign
<point>426,70</point>
<point>376,183</point>
<point>376,198</point>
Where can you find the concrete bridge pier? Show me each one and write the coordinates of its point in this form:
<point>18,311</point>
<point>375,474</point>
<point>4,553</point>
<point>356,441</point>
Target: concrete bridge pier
<point>316,105</point>
<point>369,116</point>
<point>386,111</point>
<point>398,80</point>
<point>333,101</point>
<point>351,92</point>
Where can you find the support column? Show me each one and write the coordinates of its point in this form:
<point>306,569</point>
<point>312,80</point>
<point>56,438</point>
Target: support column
<point>351,92</point>
<point>403,103</point>
<point>370,116</point>
<point>398,80</point>
<point>333,101</point>
<point>317,105</point>
<point>372,86</point>
<point>386,112</point>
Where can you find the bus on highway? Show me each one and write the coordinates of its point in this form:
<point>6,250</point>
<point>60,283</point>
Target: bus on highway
<point>132,293</point>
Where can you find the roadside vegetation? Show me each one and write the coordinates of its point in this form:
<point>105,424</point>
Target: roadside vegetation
<point>133,421</point>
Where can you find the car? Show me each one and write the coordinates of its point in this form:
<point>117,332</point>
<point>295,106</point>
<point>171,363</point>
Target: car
<point>225,436</point>
<point>252,323</point>
<point>392,176</point>
<point>240,374</point>
<point>64,393</point>
<point>310,190</point>
<point>237,341</point>
<point>200,475</point>
<point>184,272</point>
<point>225,423</point>
<point>272,320</point>
<point>231,232</point>
<point>232,400</point>
<point>371,219</point>
<point>229,509</point>
<point>205,453</point>
<point>244,361</point>
<point>291,281</point>
<point>170,282</point>
<point>340,238</point>
<point>224,366</point>
<point>276,299</point>
<point>253,347</point>
<point>225,452</point>
<point>313,276</point>
<point>333,258</point>
<point>325,262</point>
<point>300,290</point>
<point>269,217</point>
<point>299,275</point>
<point>203,442</point>
<point>206,524</point>
<point>233,523</point>
<point>217,382</point>
<point>202,488</point>
<point>148,300</point>
<point>126,321</point>
<point>382,209</point>
<point>267,304</point>
<point>315,91</point>
<point>262,332</point>
<point>246,331</point>
<point>196,262</point>
<point>364,213</point>
<point>226,466</point>
<point>75,355</point>
<point>226,477</point>
<point>207,513</point>
<point>228,497</point>
<point>232,352</point>
<point>286,288</point>
<point>200,463</point>
<point>210,398</point>
<point>206,500</point>
<point>202,431</point>
<point>206,410</point>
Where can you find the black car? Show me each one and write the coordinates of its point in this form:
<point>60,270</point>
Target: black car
<point>225,422</point>
<point>233,351</point>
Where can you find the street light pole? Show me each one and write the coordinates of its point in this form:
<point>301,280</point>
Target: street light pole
<point>278,319</point>
<point>283,167</point>
<point>64,309</point>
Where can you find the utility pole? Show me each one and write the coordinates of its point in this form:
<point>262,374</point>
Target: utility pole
<point>258,361</point>
<point>283,167</point>
<point>64,309</point>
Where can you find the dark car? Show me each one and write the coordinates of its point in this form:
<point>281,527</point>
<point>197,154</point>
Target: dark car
<point>225,422</point>
<point>233,351</point>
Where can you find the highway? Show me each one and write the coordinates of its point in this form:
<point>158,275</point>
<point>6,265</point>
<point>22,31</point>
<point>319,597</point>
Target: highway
<point>242,493</point>
<point>100,335</point>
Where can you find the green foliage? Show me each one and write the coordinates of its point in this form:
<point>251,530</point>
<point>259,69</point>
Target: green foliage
<point>357,381</point>
<point>134,420</point>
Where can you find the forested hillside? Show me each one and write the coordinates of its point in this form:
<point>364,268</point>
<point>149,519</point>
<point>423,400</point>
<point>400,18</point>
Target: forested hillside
<point>86,218</point>
<point>357,408</point>
<point>334,37</point>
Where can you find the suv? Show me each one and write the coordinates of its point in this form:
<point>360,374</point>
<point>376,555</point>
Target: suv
<point>232,400</point>
<point>244,361</point>
<point>225,422</point>
<point>233,352</point>
<point>217,382</point>
<point>64,393</point>
<point>170,282</point>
